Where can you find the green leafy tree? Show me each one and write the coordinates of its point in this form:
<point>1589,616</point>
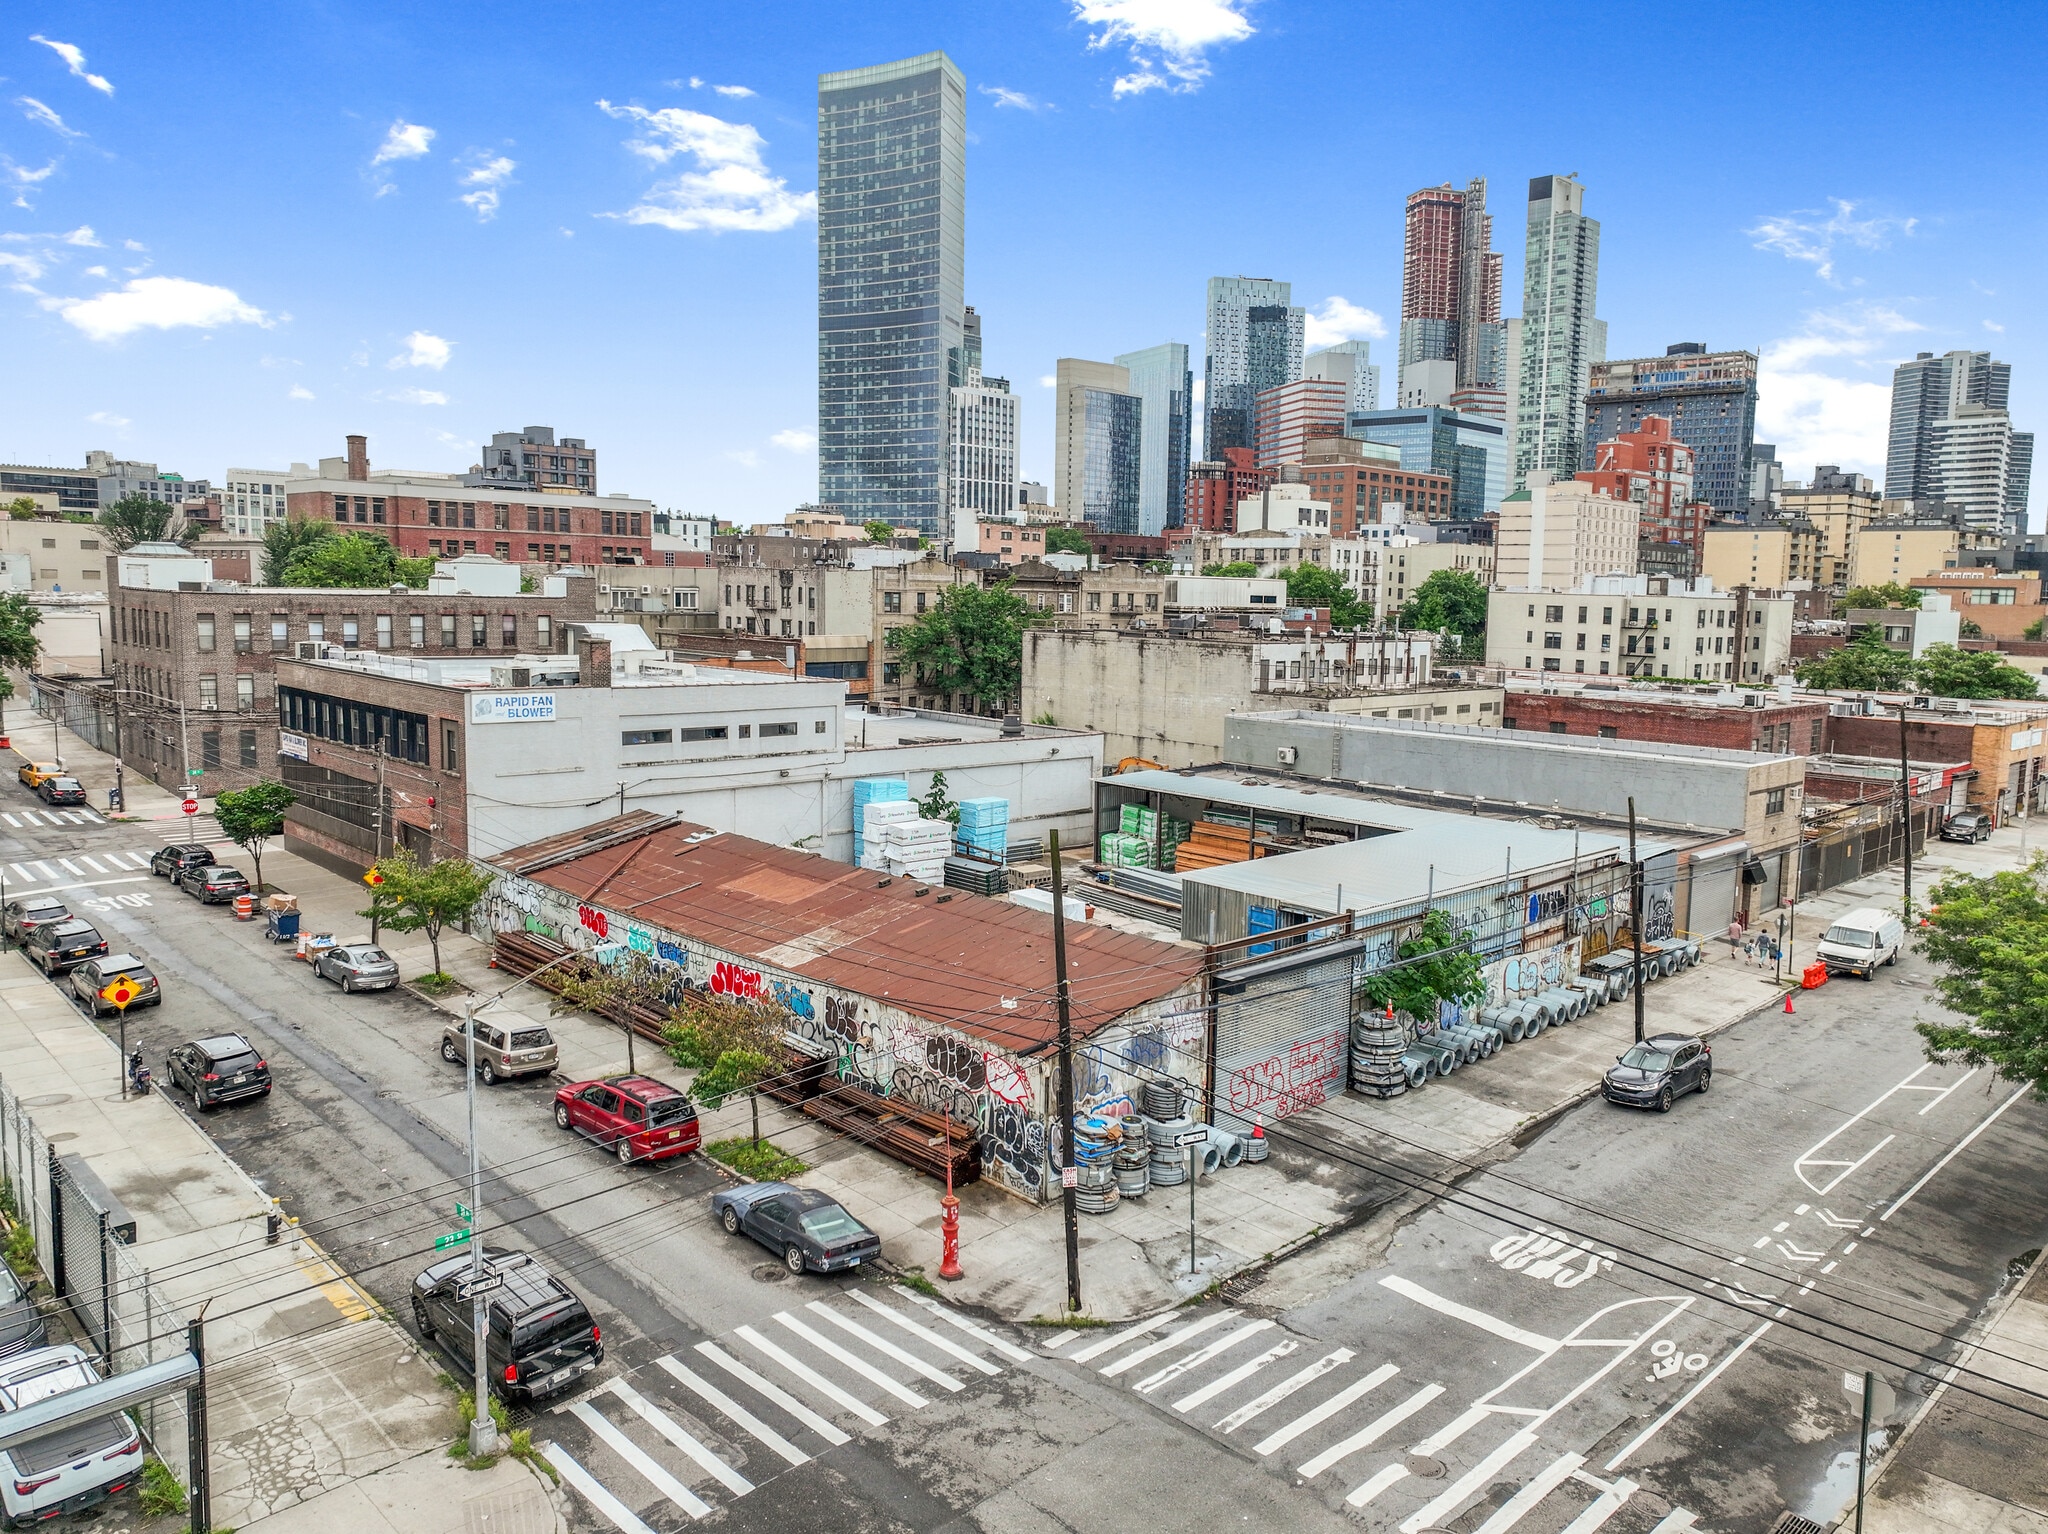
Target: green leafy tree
<point>417,572</point>
<point>1449,601</point>
<point>734,1043</point>
<point>1237,568</point>
<point>353,560</point>
<point>283,541</point>
<point>935,805</point>
<point>1948,672</point>
<point>1066,540</point>
<point>21,509</point>
<point>139,519</point>
<point>2034,630</point>
<point>1315,586</point>
<point>1886,594</point>
<point>426,897</point>
<point>879,531</point>
<point>616,990</point>
<point>971,640</point>
<point>1437,964</point>
<point>1864,664</point>
<point>1988,937</point>
<point>252,816</point>
<point>19,646</point>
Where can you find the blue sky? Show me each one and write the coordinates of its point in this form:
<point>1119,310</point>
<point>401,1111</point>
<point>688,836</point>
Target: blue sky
<point>231,234</point>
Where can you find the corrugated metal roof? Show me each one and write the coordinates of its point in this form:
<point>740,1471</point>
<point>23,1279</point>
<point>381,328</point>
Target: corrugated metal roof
<point>954,963</point>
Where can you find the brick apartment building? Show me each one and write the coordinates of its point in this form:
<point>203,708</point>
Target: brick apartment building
<point>1748,721</point>
<point>1209,502</point>
<point>1357,478</point>
<point>1655,470</point>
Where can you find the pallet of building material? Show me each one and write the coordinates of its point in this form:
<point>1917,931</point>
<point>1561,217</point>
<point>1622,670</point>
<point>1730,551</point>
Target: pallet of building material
<point>1212,844</point>
<point>976,878</point>
<point>914,1136</point>
<point>1137,820</point>
<point>525,953</point>
<point>1122,851</point>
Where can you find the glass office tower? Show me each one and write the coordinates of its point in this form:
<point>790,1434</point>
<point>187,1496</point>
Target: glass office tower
<point>1161,377</point>
<point>892,189</point>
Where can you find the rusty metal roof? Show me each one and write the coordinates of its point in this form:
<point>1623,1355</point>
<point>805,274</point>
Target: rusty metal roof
<point>982,966</point>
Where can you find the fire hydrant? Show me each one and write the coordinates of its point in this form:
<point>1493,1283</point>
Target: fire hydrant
<point>949,1227</point>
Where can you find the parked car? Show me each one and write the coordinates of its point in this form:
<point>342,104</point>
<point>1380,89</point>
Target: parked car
<point>1659,1070</point>
<point>636,1117</point>
<point>357,967</point>
<point>214,883</point>
<point>58,946</point>
<point>61,790</point>
<point>33,773</point>
<point>805,1228</point>
<point>1861,942</point>
<point>19,917</point>
<point>524,1049</point>
<point>74,1468</point>
<point>540,1338</point>
<point>224,1068</point>
<point>169,862</point>
<point>1966,826</point>
<point>95,975</point>
<point>21,1324</point>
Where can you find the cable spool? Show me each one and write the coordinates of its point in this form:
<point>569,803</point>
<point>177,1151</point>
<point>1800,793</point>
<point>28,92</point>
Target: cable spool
<point>1169,1168</point>
<point>1160,1133</point>
<point>1163,1097</point>
<point>1097,1200</point>
<point>1256,1146</point>
<point>1376,1049</point>
<point>1134,1181</point>
<point>1417,1068</point>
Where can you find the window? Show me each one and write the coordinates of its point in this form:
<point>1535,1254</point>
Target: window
<point>206,633</point>
<point>1814,748</point>
<point>817,727</point>
<point>209,748</point>
<point>209,691</point>
<point>447,746</point>
<point>351,633</point>
<point>280,632</point>
<point>478,631</point>
<point>1553,614</point>
<point>544,631</point>
<point>1582,615</point>
<point>892,601</point>
<point>778,731</point>
<point>469,513</point>
<point>341,508</point>
<point>501,519</point>
<point>245,747</point>
<point>1581,638</point>
<point>1095,601</point>
<point>1774,802</point>
<point>434,517</point>
<point>245,693</point>
<point>920,601</point>
<point>383,631</point>
<point>447,631</point>
<point>533,519</point>
<point>691,733</point>
<point>242,645</point>
<point>377,509</point>
<point>1553,641</point>
<point>1607,732</point>
<point>646,737</point>
<point>746,730</point>
<point>508,631</point>
<point>316,626</point>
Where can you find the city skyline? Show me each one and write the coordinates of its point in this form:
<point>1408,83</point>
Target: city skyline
<point>447,204</point>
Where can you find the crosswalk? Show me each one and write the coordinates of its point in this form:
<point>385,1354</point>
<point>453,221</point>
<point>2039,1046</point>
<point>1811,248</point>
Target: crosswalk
<point>33,819</point>
<point>30,874</point>
<point>687,1435</point>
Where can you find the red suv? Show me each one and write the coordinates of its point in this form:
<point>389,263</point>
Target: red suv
<point>639,1118</point>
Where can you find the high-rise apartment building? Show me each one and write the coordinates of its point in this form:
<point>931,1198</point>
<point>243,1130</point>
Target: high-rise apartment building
<point>1098,433</point>
<point>1291,415</point>
<point>1971,453</point>
<point>981,444</point>
<point>1451,334</point>
<point>1209,500</point>
<point>535,459</point>
<point>1162,379</point>
<point>1254,339</point>
<point>1709,399</point>
<point>1952,439</point>
<point>1552,536</point>
<point>1471,450</point>
<point>892,329</point>
<point>1349,363</point>
<point>1654,468</point>
<point>1560,337</point>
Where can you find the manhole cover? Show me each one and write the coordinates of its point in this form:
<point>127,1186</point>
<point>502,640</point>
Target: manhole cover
<point>1422,1466</point>
<point>49,1101</point>
<point>771,1273</point>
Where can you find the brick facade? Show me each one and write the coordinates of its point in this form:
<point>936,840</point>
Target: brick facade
<point>423,521</point>
<point>1798,728</point>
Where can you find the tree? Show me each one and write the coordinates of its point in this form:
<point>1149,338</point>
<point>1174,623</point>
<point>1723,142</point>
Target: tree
<point>1988,935</point>
<point>251,816</point>
<point>1066,540</point>
<point>1864,664</point>
<point>21,508</point>
<point>284,539</point>
<point>935,805</point>
<point>1314,586</point>
<point>613,986</point>
<point>1948,672</point>
<point>1237,569</point>
<point>1450,601</point>
<point>1969,628</point>
<point>879,531</point>
<point>1888,594</point>
<point>971,640</point>
<point>2034,630</point>
<point>138,519</point>
<point>19,646</point>
<point>1438,965</point>
<point>353,560</point>
<point>425,898</point>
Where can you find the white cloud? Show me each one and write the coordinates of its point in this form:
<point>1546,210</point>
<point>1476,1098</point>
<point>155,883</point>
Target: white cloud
<point>1824,395</point>
<point>1005,97</point>
<point>83,235</point>
<point>415,397</point>
<point>403,141</point>
<point>36,112</point>
<point>109,419</point>
<point>1339,319</point>
<point>423,350</point>
<point>26,266</point>
<point>485,178</point>
<point>736,92</point>
<point>23,181</point>
<point>1994,327</point>
<point>1168,39</point>
<point>299,391</point>
<point>1812,234</point>
<point>745,457</point>
<point>74,58</point>
<point>1048,380</point>
<point>730,188</point>
<point>794,441</point>
<point>157,303</point>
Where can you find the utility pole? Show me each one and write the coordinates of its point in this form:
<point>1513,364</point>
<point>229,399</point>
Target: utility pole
<point>1070,1215</point>
<point>1906,815</point>
<point>483,1431</point>
<point>1635,916</point>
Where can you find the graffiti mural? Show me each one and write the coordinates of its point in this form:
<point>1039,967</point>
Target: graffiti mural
<point>593,920</point>
<point>1525,974</point>
<point>733,980</point>
<point>1297,1077</point>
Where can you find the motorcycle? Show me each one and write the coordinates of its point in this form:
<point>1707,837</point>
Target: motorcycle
<point>138,1075</point>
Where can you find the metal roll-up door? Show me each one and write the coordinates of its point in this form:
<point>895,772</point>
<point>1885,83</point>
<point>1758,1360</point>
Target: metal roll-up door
<point>1282,1038</point>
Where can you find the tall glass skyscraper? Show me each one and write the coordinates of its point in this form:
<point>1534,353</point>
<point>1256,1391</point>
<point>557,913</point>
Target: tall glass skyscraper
<point>892,235</point>
<point>1098,436</point>
<point>1560,337</point>
<point>1254,343</point>
<point>1161,378</point>
<point>1710,400</point>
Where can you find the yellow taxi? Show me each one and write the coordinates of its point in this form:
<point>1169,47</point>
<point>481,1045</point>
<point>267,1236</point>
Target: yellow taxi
<point>33,773</point>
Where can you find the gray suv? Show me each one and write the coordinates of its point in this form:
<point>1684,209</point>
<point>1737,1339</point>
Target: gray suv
<point>502,1052</point>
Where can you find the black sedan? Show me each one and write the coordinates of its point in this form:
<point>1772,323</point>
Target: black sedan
<point>222,1069</point>
<point>1658,1071</point>
<point>61,790</point>
<point>214,883</point>
<point>807,1230</point>
<point>58,946</point>
<point>169,862</point>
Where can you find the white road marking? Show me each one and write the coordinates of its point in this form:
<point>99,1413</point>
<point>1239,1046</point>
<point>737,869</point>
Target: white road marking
<point>650,1469</point>
<point>1444,1437</point>
<point>621,1516</point>
<point>885,1347</point>
<point>1380,1481</point>
<point>771,1391</point>
<point>1546,1480</point>
<point>1468,1485</point>
<point>1687,1399</point>
<point>98,868</point>
<point>1372,1432</point>
<point>672,1430</point>
<point>1760,1243</point>
<point>1943,1094</point>
<point>1793,1252</point>
<point>1195,1361</point>
<point>1280,1438</point>
<point>1781,1227</point>
<point>860,1366</point>
<point>1849,1248</point>
<point>1802,1209</point>
<point>1284,1389</point>
<point>1471,1317</point>
<point>1058,1340</point>
<point>11,821</point>
<point>1677,1521</point>
<point>1961,1146</point>
<point>26,876</point>
<point>1811,1158</point>
<point>1173,1339</point>
<point>1835,1222</point>
<point>48,871</point>
<point>955,1319</point>
<point>1604,1507</point>
<point>720,1401</point>
<point>809,1376</point>
<point>1236,1376</point>
<point>1828,1267</point>
<point>943,1344</point>
<point>1097,1349</point>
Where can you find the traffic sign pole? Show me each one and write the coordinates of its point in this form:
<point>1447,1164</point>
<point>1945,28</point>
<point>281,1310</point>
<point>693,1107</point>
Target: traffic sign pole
<point>1187,1140</point>
<point>483,1428</point>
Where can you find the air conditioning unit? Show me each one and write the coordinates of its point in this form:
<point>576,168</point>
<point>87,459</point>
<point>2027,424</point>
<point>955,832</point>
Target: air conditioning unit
<point>211,708</point>
<point>1287,755</point>
<point>1753,700</point>
<point>309,649</point>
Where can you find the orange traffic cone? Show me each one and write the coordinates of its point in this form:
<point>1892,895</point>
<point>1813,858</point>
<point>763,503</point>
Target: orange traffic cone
<point>1788,1004</point>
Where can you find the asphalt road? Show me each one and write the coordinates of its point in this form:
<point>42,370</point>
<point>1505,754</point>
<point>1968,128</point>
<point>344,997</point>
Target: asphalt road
<point>1589,1336</point>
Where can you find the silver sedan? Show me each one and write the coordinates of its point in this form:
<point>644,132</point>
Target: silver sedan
<point>358,967</point>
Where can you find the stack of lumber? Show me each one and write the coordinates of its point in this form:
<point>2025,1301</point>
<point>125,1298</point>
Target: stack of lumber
<point>1212,844</point>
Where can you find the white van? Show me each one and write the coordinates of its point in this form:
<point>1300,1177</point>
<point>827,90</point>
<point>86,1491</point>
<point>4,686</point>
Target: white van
<point>1860,941</point>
